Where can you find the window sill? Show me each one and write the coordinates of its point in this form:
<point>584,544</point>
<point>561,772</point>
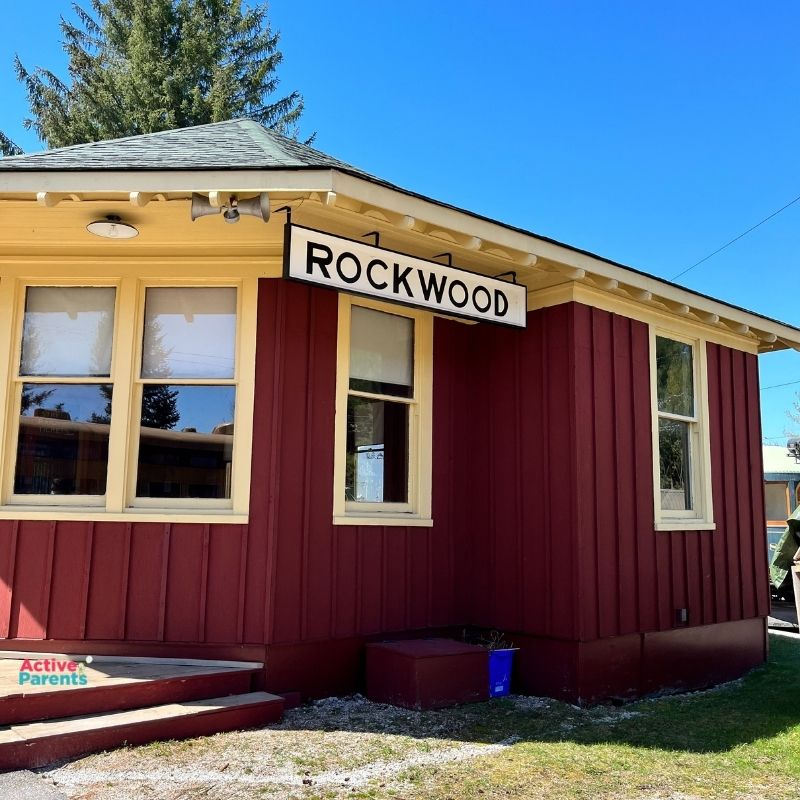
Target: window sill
<point>684,525</point>
<point>74,514</point>
<point>394,521</point>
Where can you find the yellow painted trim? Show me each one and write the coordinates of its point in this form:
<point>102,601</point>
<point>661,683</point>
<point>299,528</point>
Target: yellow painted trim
<point>389,521</point>
<point>119,501</point>
<point>677,525</point>
<point>701,517</point>
<point>123,359</point>
<point>172,268</point>
<point>587,295</point>
<point>460,222</point>
<point>332,192</point>
<point>8,293</point>
<point>245,394</point>
<point>420,422</point>
<point>70,513</point>
<point>340,416</point>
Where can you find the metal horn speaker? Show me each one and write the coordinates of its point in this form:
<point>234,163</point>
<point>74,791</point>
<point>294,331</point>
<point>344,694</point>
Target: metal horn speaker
<point>255,207</point>
<point>201,206</point>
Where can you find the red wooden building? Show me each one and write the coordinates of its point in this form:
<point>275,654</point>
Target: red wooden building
<point>231,441</point>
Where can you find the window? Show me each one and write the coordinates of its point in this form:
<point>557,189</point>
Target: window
<point>186,393</point>
<point>383,428</point>
<point>682,470</point>
<point>132,398</point>
<point>776,497</point>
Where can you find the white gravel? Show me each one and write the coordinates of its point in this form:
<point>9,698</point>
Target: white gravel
<point>336,745</point>
<point>382,770</point>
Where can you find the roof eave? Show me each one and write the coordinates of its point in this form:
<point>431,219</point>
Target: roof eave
<point>171,180</point>
<point>374,192</point>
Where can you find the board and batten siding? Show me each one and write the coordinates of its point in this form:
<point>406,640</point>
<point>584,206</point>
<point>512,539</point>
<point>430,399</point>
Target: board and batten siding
<point>542,501</point>
<point>632,579</point>
<point>517,563</point>
<point>289,575</point>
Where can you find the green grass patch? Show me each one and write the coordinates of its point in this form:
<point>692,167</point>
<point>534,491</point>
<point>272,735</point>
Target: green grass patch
<point>739,741</point>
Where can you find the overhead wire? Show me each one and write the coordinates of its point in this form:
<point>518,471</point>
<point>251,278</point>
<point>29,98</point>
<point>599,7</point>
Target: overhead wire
<point>736,238</point>
<point>779,385</point>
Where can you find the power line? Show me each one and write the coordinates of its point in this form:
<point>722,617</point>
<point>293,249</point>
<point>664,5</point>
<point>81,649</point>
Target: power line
<point>779,385</point>
<point>736,239</point>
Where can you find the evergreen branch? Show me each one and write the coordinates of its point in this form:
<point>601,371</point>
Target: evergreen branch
<point>7,147</point>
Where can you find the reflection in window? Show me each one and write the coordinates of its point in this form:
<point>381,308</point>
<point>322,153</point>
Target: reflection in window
<point>673,449</point>
<point>67,331</point>
<point>186,441</point>
<point>377,451</point>
<point>62,447</point>
<point>674,377</point>
<point>776,496</point>
<point>677,423</point>
<point>378,436</point>
<point>189,332</point>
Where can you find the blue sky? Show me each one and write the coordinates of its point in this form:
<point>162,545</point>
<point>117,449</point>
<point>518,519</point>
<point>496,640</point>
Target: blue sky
<point>648,133</point>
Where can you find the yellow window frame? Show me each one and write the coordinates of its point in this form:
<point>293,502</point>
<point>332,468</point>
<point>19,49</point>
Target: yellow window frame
<point>120,502</point>
<point>417,512</point>
<point>701,516</point>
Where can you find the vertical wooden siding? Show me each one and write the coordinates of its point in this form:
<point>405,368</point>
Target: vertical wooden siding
<point>287,576</point>
<point>324,580</point>
<point>542,475</point>
<point>632,578</point>
<point>518,564</point>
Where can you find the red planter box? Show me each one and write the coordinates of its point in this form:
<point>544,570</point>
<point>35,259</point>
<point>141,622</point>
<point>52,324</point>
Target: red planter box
<point>427,673</point>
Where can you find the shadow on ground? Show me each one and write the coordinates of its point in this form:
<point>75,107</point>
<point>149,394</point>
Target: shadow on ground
<point>763,705</point>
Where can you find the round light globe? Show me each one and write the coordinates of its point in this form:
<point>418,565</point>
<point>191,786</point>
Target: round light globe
<point>112,228</point>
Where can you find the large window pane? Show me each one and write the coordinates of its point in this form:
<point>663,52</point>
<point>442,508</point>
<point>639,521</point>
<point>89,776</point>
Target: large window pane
<point>67,331</point>
<point>674,377</point>
<point>63,439</point>
<point>186,441</point>
<point>381,352</point>
<point>674,457</point>
<point>189,332</point>
<point>776,496</point>
<point>377,451</point>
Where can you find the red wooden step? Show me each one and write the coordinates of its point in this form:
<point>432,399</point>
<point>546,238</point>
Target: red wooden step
<point>36,744</point>
<point>136,685</point>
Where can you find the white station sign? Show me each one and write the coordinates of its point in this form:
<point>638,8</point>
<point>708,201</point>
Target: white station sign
<point>359,268</point>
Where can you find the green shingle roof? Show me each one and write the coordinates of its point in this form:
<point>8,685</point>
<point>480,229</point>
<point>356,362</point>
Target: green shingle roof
<point>234,144</point>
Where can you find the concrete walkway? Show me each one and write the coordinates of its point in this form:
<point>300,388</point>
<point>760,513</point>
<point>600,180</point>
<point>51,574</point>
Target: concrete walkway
<point>782,615</point>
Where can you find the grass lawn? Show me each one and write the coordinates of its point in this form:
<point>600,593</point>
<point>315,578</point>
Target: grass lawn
<point>740,741</point>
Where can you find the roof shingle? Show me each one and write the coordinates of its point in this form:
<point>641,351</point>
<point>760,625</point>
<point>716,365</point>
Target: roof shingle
<point>233,144</point>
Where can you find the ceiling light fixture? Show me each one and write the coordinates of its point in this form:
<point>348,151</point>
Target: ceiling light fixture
<point>112,227</point>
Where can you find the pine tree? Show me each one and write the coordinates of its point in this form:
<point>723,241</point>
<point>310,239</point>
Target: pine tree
<point>141,66</point>
<point>160,407</point>
<point>159,401</point>
<point>7,147</point>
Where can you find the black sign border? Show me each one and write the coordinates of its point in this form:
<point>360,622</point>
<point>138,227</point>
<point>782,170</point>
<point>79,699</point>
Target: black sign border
<point>287,237</point>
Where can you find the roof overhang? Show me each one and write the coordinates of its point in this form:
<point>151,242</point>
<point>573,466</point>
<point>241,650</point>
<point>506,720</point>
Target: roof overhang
<point>26,182</point>
<point>468,235</point>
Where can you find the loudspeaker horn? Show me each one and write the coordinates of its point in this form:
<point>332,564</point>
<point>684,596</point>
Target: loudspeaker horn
<point>255,207</point>
<point>201,206</point>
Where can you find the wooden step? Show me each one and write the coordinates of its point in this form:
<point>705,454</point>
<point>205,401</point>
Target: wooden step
<point>36,744</point>
<point>126,685</point>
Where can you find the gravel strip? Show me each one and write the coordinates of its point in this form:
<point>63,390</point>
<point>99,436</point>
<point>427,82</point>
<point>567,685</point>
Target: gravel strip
<point>334,745</point>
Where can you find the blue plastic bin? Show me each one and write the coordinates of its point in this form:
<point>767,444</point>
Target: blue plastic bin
<point>500,664</point>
